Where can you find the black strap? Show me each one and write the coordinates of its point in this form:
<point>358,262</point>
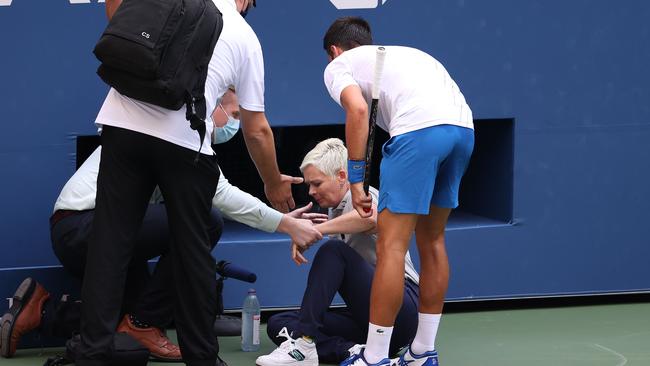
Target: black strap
<point>197,122</point>
<point>195,99</point>
<point>57,361</point>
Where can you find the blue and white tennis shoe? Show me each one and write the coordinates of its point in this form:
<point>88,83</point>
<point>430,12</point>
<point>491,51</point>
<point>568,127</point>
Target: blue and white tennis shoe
<point>357,359</point>
<point>409,358</point>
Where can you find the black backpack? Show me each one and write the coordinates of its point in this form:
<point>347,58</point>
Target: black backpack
<point>158,51</point>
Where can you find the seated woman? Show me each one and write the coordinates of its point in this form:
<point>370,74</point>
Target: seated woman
<point>344,264</point>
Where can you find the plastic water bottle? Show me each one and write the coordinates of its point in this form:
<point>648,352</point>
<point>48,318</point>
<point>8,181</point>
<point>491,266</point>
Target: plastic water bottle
<point>250,323</point>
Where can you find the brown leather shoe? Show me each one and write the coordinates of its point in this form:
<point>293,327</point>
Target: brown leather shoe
<point>23,316</point>
<point>157,343</point>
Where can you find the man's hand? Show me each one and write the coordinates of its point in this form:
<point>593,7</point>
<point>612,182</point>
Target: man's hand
<point>279,193</point>
<point>361,202</point>
<point>261,147</point>
<point>296,254</point>
<point>302,232</point>
<point>303,213</point>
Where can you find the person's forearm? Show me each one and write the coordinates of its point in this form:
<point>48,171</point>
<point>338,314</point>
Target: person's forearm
<point>111,7</point>
<point>356,122</point>
<point>242,207</point>
<point>356,134</point>
<point>285,224</point>
<point>349,223</point>
<point>261,148</point>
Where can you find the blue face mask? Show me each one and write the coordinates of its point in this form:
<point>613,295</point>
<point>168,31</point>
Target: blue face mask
<point>225,133</point>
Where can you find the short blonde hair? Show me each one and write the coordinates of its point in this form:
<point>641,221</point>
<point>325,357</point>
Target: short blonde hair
<point>329,156</point>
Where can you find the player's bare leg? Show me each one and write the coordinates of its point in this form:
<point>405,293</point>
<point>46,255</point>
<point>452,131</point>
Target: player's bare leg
<point>434,265</point>
<point>394,234</point>
<point>434,279</point>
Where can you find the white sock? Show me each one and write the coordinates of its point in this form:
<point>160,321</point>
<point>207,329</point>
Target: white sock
<point>378,343</point>
<point>425,338</point>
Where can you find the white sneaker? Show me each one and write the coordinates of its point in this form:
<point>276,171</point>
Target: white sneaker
<point>297,352</point>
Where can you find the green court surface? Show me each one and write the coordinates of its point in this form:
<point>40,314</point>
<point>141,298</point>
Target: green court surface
<point>599,335</point>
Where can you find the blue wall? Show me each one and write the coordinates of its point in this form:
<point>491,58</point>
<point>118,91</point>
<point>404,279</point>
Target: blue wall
<point>573,75</point>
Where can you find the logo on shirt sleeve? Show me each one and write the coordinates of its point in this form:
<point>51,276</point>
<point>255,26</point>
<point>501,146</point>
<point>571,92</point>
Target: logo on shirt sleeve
<point>357,4</point>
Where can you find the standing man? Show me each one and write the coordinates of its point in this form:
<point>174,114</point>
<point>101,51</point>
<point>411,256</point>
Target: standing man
<point>143,146</point>
<point>432,139</point>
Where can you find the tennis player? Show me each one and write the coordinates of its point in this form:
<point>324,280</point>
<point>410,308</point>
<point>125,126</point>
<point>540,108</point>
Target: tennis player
<point>431,142</point>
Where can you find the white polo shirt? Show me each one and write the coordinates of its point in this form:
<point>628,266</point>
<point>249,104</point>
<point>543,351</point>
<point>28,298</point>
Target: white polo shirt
<point>81,189</point>
<point>365,244</point>
<point>416,91</point>
<point>237,60</point>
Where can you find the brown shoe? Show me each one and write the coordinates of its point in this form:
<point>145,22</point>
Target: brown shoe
<point>157,343</point>
<point>23,316</point>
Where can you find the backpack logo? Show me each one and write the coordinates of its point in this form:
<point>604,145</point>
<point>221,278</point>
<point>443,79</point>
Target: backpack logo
<point>146,35</point>
<point>357,4</point>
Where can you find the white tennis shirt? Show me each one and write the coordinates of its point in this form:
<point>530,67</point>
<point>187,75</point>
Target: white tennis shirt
<point>416,91</point>
<point>237,60</point>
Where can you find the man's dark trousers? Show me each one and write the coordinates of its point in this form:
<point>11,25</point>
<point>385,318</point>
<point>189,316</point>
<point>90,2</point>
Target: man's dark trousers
<point>147,296</point>
<point>132,164</point>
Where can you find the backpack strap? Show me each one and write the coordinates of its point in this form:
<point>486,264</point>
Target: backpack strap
<point>196,114</point>
<point>196,111</point>
<point>195,99</point>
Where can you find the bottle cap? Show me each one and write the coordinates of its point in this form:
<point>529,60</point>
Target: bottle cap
<point>252,291</point>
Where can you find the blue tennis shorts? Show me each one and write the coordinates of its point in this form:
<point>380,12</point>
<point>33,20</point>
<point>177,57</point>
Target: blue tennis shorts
<point>424,167</point>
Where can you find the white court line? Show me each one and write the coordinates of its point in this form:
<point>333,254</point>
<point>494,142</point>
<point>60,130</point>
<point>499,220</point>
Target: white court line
<point>620,356</point>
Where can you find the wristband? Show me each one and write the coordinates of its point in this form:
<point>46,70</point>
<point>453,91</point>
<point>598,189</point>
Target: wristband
<point>356,170</point>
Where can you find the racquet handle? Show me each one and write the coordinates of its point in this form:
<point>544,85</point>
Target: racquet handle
<point>379,69</point>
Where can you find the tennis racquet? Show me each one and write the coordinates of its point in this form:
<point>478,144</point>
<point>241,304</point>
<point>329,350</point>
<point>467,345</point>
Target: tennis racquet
<point>379,68</point>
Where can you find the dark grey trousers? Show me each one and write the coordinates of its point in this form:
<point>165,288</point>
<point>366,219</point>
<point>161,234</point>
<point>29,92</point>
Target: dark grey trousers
<point>132,164</point>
